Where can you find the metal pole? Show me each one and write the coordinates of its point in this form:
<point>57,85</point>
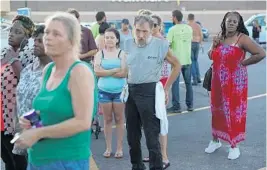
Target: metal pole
<point>26,3</point>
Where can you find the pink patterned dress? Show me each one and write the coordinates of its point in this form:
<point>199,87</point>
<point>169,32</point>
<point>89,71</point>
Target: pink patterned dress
<point>229,90</point>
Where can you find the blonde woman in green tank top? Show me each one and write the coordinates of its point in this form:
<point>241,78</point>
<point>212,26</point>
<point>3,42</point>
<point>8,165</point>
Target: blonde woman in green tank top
<point>66,102</point>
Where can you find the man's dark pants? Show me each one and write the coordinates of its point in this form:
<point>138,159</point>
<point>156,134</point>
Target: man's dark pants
<point>140,111</point>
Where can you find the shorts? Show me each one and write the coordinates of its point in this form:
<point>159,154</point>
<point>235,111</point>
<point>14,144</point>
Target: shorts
<point>105,97</point>
<point>62,165</point>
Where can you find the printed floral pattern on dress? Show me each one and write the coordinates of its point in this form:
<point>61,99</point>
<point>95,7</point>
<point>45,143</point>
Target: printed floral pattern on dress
<point>241,111</point>
<point>224,76</point>
<point>166,69</point>
<point>230,92</point>
<point>239,77</point>
<point>225,50</point>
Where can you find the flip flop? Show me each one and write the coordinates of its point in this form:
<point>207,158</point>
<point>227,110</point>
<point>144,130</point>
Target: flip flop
<point>118,155</point>
<point>166,165</point>
<point>146,159</point>
<point>107,154</point>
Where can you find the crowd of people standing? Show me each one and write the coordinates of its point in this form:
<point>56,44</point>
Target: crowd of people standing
<point>73,73</point>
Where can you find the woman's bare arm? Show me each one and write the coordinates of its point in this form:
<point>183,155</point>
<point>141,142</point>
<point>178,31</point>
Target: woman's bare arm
<point>123,72</point>
<point>99,71</point>
<point>176,68</point>
<point>257,52</point>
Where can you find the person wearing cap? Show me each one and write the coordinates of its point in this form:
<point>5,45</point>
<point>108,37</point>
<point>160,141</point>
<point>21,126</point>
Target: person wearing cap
<point>125,32</point>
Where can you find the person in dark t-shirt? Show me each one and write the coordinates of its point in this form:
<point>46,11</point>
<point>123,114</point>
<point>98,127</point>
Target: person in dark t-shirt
<point>88,44</point>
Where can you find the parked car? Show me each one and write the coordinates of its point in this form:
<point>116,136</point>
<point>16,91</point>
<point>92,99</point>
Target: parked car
<point>262,21</point>
<point>168,24</point>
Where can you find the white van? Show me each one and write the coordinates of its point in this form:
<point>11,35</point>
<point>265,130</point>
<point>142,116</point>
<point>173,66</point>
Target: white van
<point>262,21</point>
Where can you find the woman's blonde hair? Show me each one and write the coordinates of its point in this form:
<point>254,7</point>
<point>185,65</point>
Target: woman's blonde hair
<point>72,27</point>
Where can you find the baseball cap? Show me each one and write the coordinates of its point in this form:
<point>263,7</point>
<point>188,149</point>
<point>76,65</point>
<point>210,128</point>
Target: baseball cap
<point>125,21</point>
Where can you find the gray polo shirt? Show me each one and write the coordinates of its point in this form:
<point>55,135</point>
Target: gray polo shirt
<point>145,63</point>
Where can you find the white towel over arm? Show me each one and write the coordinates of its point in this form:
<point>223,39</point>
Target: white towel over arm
<point>160,108</point>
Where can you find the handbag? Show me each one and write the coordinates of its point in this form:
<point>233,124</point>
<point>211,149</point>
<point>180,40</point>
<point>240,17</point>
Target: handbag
<point>207,79</point>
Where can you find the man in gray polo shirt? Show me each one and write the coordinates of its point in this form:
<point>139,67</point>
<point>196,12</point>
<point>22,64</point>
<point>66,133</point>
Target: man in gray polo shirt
<point>145,58</point>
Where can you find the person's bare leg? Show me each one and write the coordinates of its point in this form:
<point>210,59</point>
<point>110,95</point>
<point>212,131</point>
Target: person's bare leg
<point>107,114</point>
<point>118,109</point>
<point>163,142</point>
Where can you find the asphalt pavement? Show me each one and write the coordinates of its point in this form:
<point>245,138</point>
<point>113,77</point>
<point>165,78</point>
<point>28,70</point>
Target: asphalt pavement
<point>190,133</point>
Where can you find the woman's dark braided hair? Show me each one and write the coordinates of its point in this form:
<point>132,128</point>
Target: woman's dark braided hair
<point>241,28</point>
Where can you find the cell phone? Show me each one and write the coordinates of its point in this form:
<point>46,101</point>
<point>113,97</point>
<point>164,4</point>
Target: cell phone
<point>16,137</point>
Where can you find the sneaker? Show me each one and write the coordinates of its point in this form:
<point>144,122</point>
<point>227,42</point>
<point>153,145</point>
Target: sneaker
<point>190,109</point>
<point>234,153</point>
<point>174,110</point>
<point>213,146</point>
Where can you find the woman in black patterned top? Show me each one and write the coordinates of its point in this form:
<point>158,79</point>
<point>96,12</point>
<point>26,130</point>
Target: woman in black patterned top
<point>13,60</point>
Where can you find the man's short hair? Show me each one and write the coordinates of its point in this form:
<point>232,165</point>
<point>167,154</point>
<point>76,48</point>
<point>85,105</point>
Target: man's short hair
<point>178,15</point>
<point>125,21</point>
<point>141,19</point>
<point>100,15</point>
<point>191,16</point>
<point>74,12</point>
<point>103,27</point>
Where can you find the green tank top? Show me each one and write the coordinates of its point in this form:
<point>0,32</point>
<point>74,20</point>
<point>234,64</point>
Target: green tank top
<point>55,106</point>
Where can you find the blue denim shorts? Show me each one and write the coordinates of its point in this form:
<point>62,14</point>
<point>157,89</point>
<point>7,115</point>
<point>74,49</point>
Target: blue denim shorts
<point>105,97</point>
<point>62,165</point>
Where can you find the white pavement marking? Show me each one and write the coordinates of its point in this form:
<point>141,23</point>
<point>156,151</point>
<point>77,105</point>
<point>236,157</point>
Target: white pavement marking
<point>208,107</point>
<point>182,82</point>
